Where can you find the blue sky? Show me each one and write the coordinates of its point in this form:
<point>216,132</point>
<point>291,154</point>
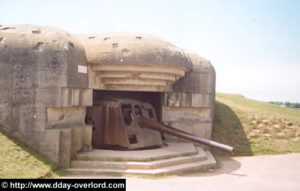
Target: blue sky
<point>253,45</point>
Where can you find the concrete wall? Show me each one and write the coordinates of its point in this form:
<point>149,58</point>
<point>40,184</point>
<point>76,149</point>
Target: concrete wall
<point>42,89</point>
<point>191,105</point>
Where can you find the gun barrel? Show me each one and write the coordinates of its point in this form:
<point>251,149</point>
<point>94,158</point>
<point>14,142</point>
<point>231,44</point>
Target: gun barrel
<point>151,124</point>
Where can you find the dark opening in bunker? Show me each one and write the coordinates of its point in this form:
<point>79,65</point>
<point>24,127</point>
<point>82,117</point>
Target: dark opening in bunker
<point>127,113</point>
<point>154,98</point>
<point>138,111</point>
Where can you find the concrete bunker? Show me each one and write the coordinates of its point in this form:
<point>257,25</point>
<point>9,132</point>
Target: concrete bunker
<point>49,79</point>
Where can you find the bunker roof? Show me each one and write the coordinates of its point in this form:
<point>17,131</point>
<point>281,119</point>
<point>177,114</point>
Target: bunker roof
<point>132,48</point>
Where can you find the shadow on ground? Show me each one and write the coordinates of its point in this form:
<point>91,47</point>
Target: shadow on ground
<point>225,165</point>
<point>229,130</point>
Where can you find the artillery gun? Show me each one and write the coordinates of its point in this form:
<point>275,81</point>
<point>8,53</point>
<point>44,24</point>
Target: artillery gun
<point>132,124</point>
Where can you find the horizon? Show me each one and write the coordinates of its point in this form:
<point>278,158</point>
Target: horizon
<point>254,46</point>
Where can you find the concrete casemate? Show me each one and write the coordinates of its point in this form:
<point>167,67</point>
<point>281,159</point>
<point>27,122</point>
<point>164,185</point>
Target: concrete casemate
<point>48,78</point>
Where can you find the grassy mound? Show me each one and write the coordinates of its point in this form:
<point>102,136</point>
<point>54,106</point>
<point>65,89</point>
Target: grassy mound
<point>254,127</point>
<point>19,161</point>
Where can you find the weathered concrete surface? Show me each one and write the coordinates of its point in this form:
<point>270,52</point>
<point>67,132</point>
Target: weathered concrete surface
<point>134,62</point>
<point>184,165</point>
<point>267,173</point>
<point>188,99</point>
<point>171,159</point>
<point>37,65</point>
<point>126,48</point>
<point>72,140</point>
<point>192,102</point>
<point>65,145</point>
<point>186,114</point>
<point>172,150</point>
<point>201,79</point>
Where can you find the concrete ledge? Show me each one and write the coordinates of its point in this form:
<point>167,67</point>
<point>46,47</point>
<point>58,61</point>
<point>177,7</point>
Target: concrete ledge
<point>172,150</point>
<point>190,114</point>
<point>76,97</point>
<point>139,165</point>
<point>172,169</point>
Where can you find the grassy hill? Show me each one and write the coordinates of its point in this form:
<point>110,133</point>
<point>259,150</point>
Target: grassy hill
<point>254,127</point>
<point>19,161</point>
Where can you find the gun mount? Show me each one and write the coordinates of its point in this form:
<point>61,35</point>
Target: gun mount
<point>133,124</point>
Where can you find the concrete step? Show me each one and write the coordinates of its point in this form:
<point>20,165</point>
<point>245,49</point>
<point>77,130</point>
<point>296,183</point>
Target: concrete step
<point>170,151</point>
<point>139,165</point>
<point>191,166</point>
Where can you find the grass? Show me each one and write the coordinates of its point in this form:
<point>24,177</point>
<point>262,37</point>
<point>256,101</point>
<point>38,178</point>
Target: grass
<point>254,127</point>
<point>17,160</point>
